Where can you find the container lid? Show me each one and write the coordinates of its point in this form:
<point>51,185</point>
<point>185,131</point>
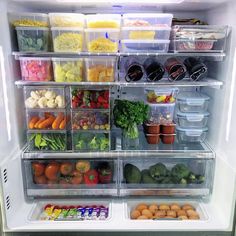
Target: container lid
<point>77,15</point>
<point>35,58</point>
<point>29,14</point>
<point>143,41</point>
<point>67,28</point>
<point>161,104</point>
<point>162,90</point>
<point>192,98</point>
<point>32,28</point>
<point>147,15</point>
<point>145,28</point>
<point>102,30</point>
<point>194,40</point>
<point>192,130</point>
<point>193,116</point>
<point>100,59</point>
<point>66,59</point>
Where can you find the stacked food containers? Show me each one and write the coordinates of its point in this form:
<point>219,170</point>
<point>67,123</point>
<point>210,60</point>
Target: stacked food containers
<point>146,32</point>
<point>192,116</point>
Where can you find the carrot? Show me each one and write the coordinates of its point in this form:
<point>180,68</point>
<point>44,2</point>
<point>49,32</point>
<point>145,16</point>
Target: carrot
<point>63,124</point>
<point>38,122</point>
<point>46,123</point>
<point>33,121</point>
<point>47,114</point>
<point>56,123</point>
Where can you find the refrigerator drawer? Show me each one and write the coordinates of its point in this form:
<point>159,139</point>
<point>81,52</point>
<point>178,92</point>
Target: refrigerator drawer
<point>175,176</point>
<point>165,210</point>
<point>73,177</point>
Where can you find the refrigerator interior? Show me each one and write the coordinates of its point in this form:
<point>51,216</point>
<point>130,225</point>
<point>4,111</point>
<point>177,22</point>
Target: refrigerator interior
<point>218,210</point>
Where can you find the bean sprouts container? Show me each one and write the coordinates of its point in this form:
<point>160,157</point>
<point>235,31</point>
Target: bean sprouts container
<point>192,102</point>
<point>66,20</point>
<point>191,135</point>
<point>67,39</point>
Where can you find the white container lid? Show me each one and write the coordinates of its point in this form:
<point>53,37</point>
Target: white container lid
<point>145,28</point>
<point>32,28</point>
<point>35,58</point>
<point>162,90</point>
<point>91,30</point>
<point>66,59</point>
<point>161,104</point>
<point>145,41</point>
<point>192,97</point>
<point>74,15</point>
<point>193,116</point>
<point>147,15</point>
<point>67,29</point>
<point>29,14</point>
<point>104,17</point>
<point>100,59</point>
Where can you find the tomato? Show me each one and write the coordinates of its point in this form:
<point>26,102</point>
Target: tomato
<point>38,168</point>
<point>52,183</point>
<point>82,166</point>
<point>77,179</point>
<point>64,183</point>
<point>66,168</point>
<point>40,179</point>
<point>75,173</point>
<point>52,171</point>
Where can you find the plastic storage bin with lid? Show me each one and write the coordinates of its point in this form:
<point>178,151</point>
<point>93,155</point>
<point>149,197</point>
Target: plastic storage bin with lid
<point>102,40</point>
<point>66,20</point>
<point>201,38</point>
<point>192,102</point>
<point>36,68</point>
<point>192,120</point>
<point>33,39</point>
<point>67,39</point>
<point>103,21</point>
<point>100,69</point>
<point>191,135</point>
<point>27,19</point>
<point>68,69</point>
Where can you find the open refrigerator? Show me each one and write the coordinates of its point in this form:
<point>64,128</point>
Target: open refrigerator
<point>23,198</point>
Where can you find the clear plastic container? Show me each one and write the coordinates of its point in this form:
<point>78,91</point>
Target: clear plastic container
<point>147,19</point>
<point>192,102</point>
<point>67,39</point>
<point>82,98</point>
<point>27,19</point>
<point>201,38</point>
<point>192,120</point>
<point>191,135</point>
<point>36,69</point>
<point>70,177</point>
<point>66,20</point>
<point>130,45</point>
<point>90,120</point>
<point>68,69</point>
<point>33,39</point>
<point>100,69</point>
<point>42,120</point>
<point>91,141</point>
<point>46,140</point>
<point>164,95</point>
<point>145,33</point>
<point>103,21</point>
<point>102,40</point>
<point>163,113</point>
<point>37,97</point>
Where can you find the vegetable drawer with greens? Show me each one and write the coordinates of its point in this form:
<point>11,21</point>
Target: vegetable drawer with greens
<point>70,177</point>
<point>166,176</point>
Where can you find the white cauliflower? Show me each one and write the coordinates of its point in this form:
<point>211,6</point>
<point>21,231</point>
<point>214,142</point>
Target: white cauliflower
<point>51,103</point>
<point>50,95</point>
<point>43,92</point>
<point>35,95</point>
<point>60,101</point>
<point>31,102</point>
<point>42,102</point>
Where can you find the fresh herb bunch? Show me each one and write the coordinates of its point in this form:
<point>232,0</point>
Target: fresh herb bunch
<point>129,114</point>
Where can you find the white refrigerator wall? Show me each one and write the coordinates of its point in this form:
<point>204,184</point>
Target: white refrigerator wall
<point>222,137</point>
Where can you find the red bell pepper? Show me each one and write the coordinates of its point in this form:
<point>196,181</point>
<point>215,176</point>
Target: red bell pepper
<point>101,99</point>
<point>105,173</point>
<point>105,105</point>
<point>91,177</point>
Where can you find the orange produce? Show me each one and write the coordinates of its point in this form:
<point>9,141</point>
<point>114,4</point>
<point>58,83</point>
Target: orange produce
<point>40,179</point>
<point>38,168</point>
<point>46,123</point>
<point>56,123</point>
<point>38,122</point>
<point>66,168</point>
<point>83,166</point>
<point>62,124</point>
<point>33,121</point>
<point>52,171</point>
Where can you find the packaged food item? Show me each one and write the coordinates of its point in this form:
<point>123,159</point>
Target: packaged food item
<point>151,127</point>
<point>175,68</point>
<point>86,120</point>
<point>147,35</point>
<point>187,21</point>
<point>66,20</point>
<point>30,20</point>
<point>36,69</point>
<point>168,128</point>
<point>153,138</point>
<point>68,69</point>
<point>134,71</point>
<point>67,39</point>
<point>197,70</point>
<point>163,96</point>
<point>33,39</point>
<point>154,70</point>
<point>93,99</point>
<point>102,45</point>
<point>103,21</point>
<point>168,138</point>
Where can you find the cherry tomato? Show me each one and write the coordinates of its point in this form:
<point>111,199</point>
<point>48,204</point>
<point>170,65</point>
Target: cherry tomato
<point>38,168</point>
<point>52,171</point>
<point>40,179</point>
<point>77,179</point>
<point>75,173</point>
<point>66,168</point>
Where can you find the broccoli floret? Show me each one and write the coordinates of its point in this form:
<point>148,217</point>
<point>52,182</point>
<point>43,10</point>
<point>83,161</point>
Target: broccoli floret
<point>80,145</point>
<point>104,144</point>
<point>192,178</point>
<point>179,171</point>
<point>93,144</point>
<point>183,181</point>
<point>158,171</point>
<point>200,179</point>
